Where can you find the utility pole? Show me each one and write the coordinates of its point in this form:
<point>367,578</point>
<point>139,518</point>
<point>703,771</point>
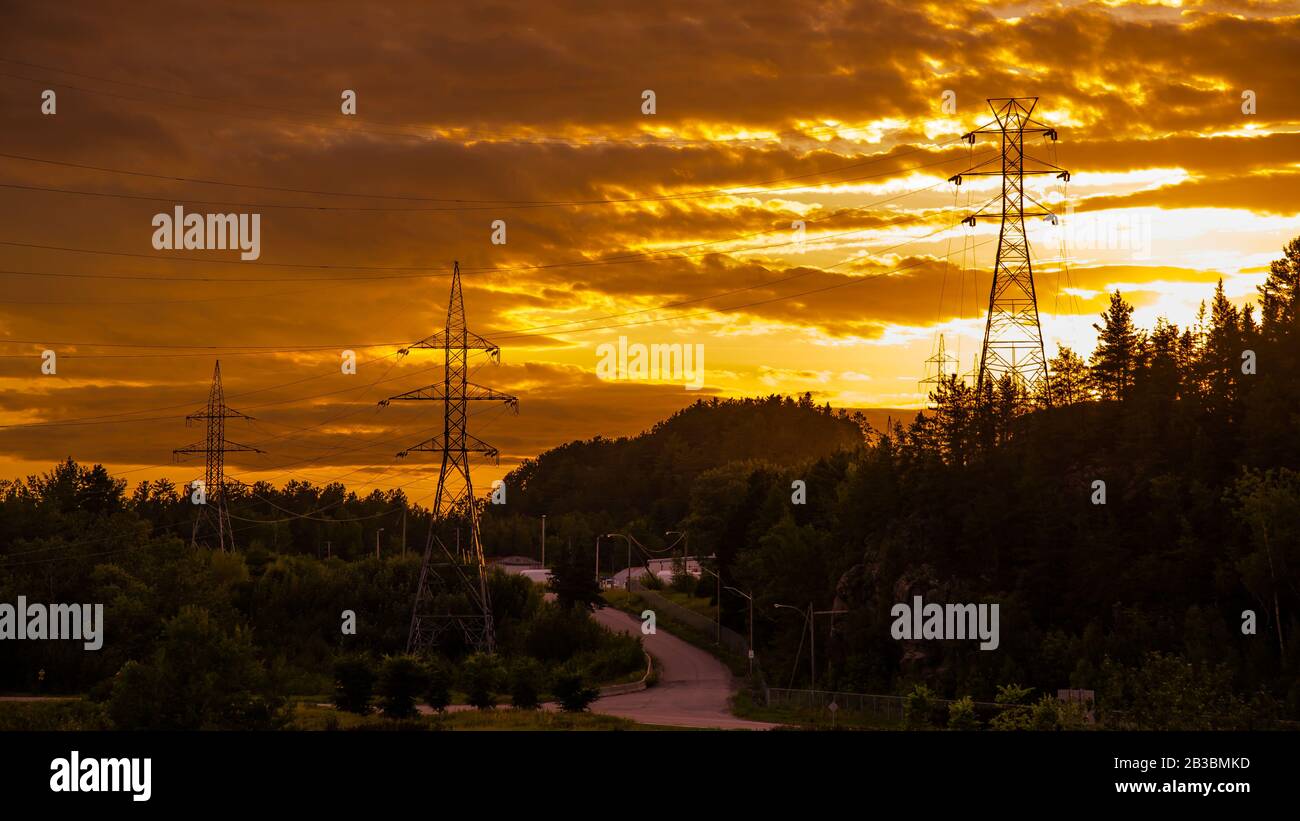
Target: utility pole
<point>403,528</point>
<point>812,635</point>
<point>430,615</point>
<point>749,596</point>
<point>543,540</point>
<point>329,553</point>
<point>1013,337</point>
<point>378,533</point>
<point>214,512</point>
<point>717,598</point>
<point>628,539</point>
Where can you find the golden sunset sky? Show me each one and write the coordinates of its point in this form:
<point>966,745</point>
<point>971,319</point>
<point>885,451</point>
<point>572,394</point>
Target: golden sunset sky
<point>671,227</point>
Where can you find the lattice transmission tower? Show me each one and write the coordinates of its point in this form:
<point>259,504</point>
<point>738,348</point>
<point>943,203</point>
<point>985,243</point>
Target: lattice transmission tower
<point>437,606</point>
<point>1013,337</point>
<point>212,521</point>
<point>938,369</point>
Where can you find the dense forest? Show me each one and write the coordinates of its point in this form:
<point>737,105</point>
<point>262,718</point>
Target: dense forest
<point>991,495</point>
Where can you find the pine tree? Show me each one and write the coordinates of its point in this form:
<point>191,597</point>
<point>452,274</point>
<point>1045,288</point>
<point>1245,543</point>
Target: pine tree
<point>1279,309</point>
<point>1069,377</point>
<point>573,581</point>
<point>1115,361</point>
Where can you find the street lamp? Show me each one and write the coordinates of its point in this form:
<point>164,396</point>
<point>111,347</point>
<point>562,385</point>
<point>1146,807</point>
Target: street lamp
<point>808,626</point>
<point>543,541</point>
<point>627,539</point>
<point>718,598</point>
<point>812,634</point>
<point>751,625</point>
<point>377,535</point>
<point>598,560</point>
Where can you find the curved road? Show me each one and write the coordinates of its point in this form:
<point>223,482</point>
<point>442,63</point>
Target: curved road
<point>694,688</point>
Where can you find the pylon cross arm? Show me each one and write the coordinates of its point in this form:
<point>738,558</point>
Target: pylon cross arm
<point>438,392</point>
<point>438,444</point>
<point>470,341</point>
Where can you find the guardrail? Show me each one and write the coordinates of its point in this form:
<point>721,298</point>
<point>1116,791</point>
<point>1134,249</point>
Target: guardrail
<point>632,686</point>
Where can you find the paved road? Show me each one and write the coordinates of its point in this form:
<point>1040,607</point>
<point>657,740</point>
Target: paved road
<point>694,687</point>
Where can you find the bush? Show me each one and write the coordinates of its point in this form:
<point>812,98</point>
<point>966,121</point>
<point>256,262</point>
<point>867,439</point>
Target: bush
<point>437,688</point>
<point>481,678</point>
<point>401,679</point>
<point>354,684</point>
<point>916,707</point>
<point>200,677</point>
<point>1045,715</point>
<point>525,684</point>
<point>572,693</point>
<point>557,635</point>
<point>620,655</point>
<point>961,715</point>
<point>650,581</point>
<point>1018,715</point>
<point>682,582</point>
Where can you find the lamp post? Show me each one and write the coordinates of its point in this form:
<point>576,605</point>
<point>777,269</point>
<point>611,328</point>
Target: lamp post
<point>812,634</point>
<point>543,541</point>
<point>627,539</point>
<point>806,624</point>
<point>378,533</point>
<point>718,599</point>
<point>598,560</point>
<point>751,625</point>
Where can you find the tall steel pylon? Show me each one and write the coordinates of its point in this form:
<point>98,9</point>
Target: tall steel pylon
<point>435,609</point>
<point>944,366</point>
<point>1013,338</point>
<point>213,517</point>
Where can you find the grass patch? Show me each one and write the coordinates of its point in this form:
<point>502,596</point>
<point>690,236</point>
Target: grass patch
<point>315,717</point>
<point>744,706</point>
<point>70,714</point>
<point>689,602</point>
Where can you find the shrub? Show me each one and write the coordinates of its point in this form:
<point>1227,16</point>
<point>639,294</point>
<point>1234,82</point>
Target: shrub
<point>525,684</point>
<point>573,693</point>
<point>354,684</point>
<point>437,688</point>
<point>401,680</point>
<point>917,707</point>
<point>1018,715</point>
<point>619,656</point>
<point>200,677</point>
<point>481,678</point>
<point>961,715</point>
<point>1045,715</point>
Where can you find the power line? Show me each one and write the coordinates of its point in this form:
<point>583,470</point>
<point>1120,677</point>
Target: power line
<point>421,131</point>
<point>524,332</point>
<point>110,420</point>
<point>474,205</point>
<point>649,256</point>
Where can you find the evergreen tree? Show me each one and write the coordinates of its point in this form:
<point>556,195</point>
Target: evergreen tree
<point>1115,361</point>
<point>1069,380</point>
<point>573,581</point>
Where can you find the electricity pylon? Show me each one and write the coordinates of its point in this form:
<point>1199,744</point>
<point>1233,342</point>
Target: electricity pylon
<point>938,369</point>
<point>431,614</point>
<point>213,517</point>
<point>1013,338</point>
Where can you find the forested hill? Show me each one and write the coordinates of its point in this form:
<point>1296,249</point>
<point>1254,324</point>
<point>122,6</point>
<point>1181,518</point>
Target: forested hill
<point>651,474</point>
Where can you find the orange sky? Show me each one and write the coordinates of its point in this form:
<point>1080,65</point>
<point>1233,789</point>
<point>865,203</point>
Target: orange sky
<point>767,113</point>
